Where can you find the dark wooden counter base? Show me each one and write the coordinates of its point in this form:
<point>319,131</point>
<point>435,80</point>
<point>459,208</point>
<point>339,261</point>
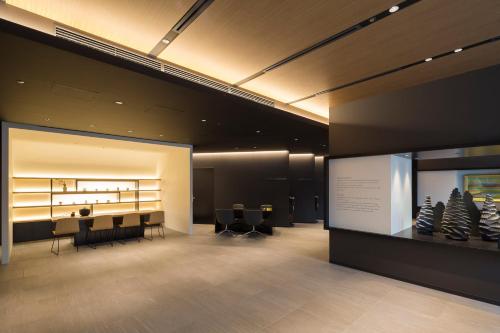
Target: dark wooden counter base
<point>464,271</point>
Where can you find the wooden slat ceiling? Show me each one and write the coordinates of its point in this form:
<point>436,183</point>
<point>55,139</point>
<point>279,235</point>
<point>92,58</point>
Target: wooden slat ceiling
<point>232,40</point>
<point>477,58</point>
<point>425,29</point>
<point>139,25</point>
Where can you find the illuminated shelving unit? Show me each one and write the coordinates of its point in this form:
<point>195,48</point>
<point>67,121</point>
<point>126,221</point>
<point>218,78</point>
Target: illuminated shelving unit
<point>38,199</point>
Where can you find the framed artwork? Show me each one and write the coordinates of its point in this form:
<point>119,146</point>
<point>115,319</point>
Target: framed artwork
<point>480,185</point>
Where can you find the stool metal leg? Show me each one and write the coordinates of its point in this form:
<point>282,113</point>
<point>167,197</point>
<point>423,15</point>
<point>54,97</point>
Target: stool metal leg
<point>226,229</point>
<point>52,247</point>
<point>253,231</point>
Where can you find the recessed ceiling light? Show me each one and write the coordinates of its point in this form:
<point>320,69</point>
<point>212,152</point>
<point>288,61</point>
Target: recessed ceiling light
<point>296,139</point>
<point>203,120</point>
<point>165,41</point>
<point>92,125</point>
<point>257,131</point>
<point>254,147</point>
<point>393,9</point>
<point>161,134</point>
<point>20,82</point>
<point>130,131</point>
<point>428,59</point>
<point>119,102</point>
<point>457,50</point>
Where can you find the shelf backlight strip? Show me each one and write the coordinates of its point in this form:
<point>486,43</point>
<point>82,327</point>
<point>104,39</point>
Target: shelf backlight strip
<point>43,198</point>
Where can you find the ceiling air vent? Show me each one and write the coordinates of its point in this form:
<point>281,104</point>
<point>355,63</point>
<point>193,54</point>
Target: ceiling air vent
<point>215,85</point>
<point>137,58</point>
<point>194,78</point>
<point>103,47</point>
<point>247,95</point>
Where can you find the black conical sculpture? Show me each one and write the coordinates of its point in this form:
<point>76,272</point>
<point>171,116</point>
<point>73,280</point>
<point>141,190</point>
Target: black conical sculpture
<point>456,220</point>
<point>438,215</point>
<point>425,219</point>
<point>474,213</point>
<point>489,225</point>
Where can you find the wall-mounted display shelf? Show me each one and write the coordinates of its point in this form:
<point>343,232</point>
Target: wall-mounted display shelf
<point>37,199</point>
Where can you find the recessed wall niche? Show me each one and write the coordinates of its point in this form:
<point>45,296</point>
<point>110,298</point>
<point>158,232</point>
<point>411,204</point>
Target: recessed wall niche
<point>53,173</point>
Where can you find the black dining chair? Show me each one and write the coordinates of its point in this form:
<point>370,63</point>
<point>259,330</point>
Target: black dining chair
<point>254,218</point>
<point>238,210</point>
<point>226,218</point>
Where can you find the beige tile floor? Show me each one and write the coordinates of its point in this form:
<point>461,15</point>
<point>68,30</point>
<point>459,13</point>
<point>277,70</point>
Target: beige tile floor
<point>197,283</point>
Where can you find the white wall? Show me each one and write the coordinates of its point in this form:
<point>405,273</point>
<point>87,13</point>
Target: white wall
<point>370,194</point>
<point>401,193</point>
<point>437,184</point>
<point>6,195</point>
<point>177,190</point>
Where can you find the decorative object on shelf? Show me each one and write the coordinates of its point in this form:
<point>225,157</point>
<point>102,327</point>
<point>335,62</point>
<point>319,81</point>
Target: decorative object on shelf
<point>489,225</point>
<point>72,214</point>
<point>64,186</point>
<point>425,219</point>
<point>438,215</point>
<point>474,213</point>
<point>84,211</point>
<point>456,220</point>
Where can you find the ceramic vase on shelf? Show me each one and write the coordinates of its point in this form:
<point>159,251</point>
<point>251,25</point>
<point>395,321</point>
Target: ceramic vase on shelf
<point>456,222</point>
<point>425,219</point>
<point>489,225</point>
<point>84,211</point>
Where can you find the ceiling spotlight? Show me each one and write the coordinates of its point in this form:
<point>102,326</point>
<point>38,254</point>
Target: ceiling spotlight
<point>428,59</point>
<point>119,102</point>
<point>203,120</point>
<point>458,50</point>
<point>20,82</point>
<point>257,131</point>
<point>161,134</point>
<point>393,9</point>
<point>130,131</point>
<point>47,119</point>
<point>254,147</point>
<point>296,139</point>
<point>165,41</point>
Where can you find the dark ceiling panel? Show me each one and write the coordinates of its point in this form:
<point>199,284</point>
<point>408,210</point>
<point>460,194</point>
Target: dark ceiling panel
<point>76,88</point>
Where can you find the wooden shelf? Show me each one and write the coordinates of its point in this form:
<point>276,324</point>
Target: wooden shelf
<point>88,204</point>
<point>52,188</point>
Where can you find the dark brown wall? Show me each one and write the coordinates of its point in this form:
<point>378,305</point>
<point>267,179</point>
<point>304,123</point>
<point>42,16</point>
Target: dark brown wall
<point>251,179</point>
<point>453,112</point>
<point>461,163</point>
<point>302,187</point>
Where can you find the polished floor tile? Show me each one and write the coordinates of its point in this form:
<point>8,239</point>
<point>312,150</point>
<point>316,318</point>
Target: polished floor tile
<point>198,283</point>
